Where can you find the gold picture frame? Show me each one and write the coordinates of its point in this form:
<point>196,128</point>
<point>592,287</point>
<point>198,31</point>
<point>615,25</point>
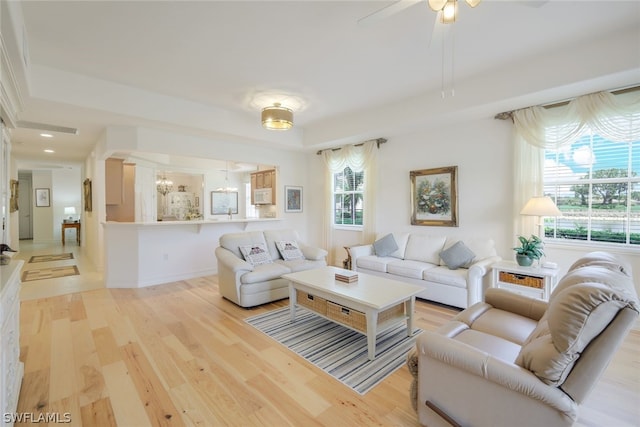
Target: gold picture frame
<point>434,196</point>
<point>13,202</point>
<point>88,195</point>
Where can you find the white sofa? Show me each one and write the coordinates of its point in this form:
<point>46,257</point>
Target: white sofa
<point>417,260</point>
<point>249,284</point>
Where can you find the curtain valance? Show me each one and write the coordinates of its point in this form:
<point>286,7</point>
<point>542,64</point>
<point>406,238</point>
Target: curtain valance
<point>613,117</point>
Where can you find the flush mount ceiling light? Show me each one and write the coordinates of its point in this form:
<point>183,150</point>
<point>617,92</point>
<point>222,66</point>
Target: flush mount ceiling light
<point>277,117</point>
<point>449,8</point>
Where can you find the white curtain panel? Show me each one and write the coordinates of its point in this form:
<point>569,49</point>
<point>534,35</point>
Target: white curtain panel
<point>359,158</point>
<point>614,117</point>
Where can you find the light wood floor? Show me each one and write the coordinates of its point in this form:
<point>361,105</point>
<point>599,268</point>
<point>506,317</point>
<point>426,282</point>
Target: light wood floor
<point>178,354</point>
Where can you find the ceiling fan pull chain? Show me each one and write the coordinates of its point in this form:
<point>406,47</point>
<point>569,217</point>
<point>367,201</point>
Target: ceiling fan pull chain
<point>443,66</point>
<point>453,55</point>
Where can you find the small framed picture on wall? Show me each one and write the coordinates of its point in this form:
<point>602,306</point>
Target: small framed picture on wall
<point>42,198</point>
<point>293,198</point>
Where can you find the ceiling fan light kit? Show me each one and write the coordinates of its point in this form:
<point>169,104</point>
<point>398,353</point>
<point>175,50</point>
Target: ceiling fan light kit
<point>277,117</point>
<point>449,8</point>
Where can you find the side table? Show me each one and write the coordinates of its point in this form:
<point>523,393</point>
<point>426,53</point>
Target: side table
<point>75,225</point>
<point>535,282</point>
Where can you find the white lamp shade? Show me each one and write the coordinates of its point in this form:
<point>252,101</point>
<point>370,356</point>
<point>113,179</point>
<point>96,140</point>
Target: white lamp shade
<point>540,206</point>
<point>70,210</point>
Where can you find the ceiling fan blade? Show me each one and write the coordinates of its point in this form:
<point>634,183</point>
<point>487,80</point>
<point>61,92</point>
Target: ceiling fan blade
<point>437,30</point>
<point>534,3</point>
<point>387,11</point>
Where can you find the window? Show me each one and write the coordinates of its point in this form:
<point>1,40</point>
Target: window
<point>596,184</point>
<point>348,195</point>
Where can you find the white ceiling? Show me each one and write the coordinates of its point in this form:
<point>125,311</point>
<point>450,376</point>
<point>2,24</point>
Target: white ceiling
<point>228,59</point>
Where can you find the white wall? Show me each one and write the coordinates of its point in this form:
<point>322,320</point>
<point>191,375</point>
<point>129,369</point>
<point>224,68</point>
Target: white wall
<point>481,151</point>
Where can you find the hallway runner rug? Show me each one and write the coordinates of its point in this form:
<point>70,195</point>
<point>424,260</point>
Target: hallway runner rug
<point>339,351</point>
<point>49,273</point>
<point>52,257</point>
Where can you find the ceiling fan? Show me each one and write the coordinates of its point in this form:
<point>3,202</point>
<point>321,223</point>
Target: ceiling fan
<point>447,10</point>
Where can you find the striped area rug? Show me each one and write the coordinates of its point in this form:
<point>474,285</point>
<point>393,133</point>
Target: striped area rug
<point>337,350</point>
<point>52,257</point>
<point>50,273</point>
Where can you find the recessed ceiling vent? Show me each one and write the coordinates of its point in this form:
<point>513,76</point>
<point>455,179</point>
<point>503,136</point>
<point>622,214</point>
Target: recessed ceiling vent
<point>43,126</point>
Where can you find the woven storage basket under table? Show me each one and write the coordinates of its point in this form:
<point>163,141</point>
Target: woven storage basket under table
<point>312,302</point>
<point>345,315</point>
<point>522,280</point>
<point>390,313</point>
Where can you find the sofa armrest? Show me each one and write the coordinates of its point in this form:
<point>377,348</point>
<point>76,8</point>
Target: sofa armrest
<point>516,303</point>
<point>475,279</point>
<point>231,261</point>
<point>449,360</point>
<point>313,253</point>
<point>358,251</point>
<point>481,268</point>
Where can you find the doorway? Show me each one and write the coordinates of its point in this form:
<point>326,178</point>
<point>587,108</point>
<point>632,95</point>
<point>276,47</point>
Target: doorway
<point>25,218</point>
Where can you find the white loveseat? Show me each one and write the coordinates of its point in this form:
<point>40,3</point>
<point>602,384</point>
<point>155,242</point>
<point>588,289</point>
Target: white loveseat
<point>418,260</point>
<point>253,280</point>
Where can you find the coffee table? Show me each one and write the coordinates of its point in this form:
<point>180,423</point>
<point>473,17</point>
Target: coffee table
<point>370,305</point>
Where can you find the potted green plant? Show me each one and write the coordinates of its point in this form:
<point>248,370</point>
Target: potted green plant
<point>529,250</point>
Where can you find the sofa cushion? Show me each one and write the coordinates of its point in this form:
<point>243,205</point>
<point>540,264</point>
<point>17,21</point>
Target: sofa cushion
<point>458,255</point>
<point>278,235</point>
<point>385,246</point>
<point>301,264</point>
<point>506,325</point>
<point>588,300</point>
<point>408,268</point>
<point>264,272</point>
<point>375,263</point>
<point>481,247</point>
<point>289,250</point>
<point>424,248</point>
<point>489,343</point>
<point>256,254</point>
<point>443,275</point>
<point>233,241</point>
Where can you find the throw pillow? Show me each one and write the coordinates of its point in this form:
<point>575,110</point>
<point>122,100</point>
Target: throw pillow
<point>385,246</point>
<point>289,250</point>
<point>256,254</point>
<point>457,255</point>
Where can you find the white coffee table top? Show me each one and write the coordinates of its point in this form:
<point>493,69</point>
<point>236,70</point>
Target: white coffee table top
<point>374,291</point>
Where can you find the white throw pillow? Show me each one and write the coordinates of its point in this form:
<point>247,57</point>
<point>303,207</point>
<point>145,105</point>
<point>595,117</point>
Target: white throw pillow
<point>289,250</point>
<point>256,254</point>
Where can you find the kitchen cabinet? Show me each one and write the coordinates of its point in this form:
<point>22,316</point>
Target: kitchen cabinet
<point>263,180</point>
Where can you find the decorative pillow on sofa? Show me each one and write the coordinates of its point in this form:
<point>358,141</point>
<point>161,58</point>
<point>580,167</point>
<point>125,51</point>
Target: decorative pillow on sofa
<point>289,250</point>
<point>256,254</point>
<point>457,255</point>
<point>385,246</point>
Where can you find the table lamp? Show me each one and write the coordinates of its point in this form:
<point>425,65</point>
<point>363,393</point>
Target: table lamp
<point>70,210</point>
<point>540,206</point>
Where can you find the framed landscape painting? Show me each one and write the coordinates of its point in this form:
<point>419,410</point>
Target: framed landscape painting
<point>434,197</point>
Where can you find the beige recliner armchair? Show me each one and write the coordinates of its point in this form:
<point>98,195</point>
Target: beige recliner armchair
<point>513,360</point>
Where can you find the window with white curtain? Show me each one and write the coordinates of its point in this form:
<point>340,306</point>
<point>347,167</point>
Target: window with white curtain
<point>348,197</point>
<point>595,182</point>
